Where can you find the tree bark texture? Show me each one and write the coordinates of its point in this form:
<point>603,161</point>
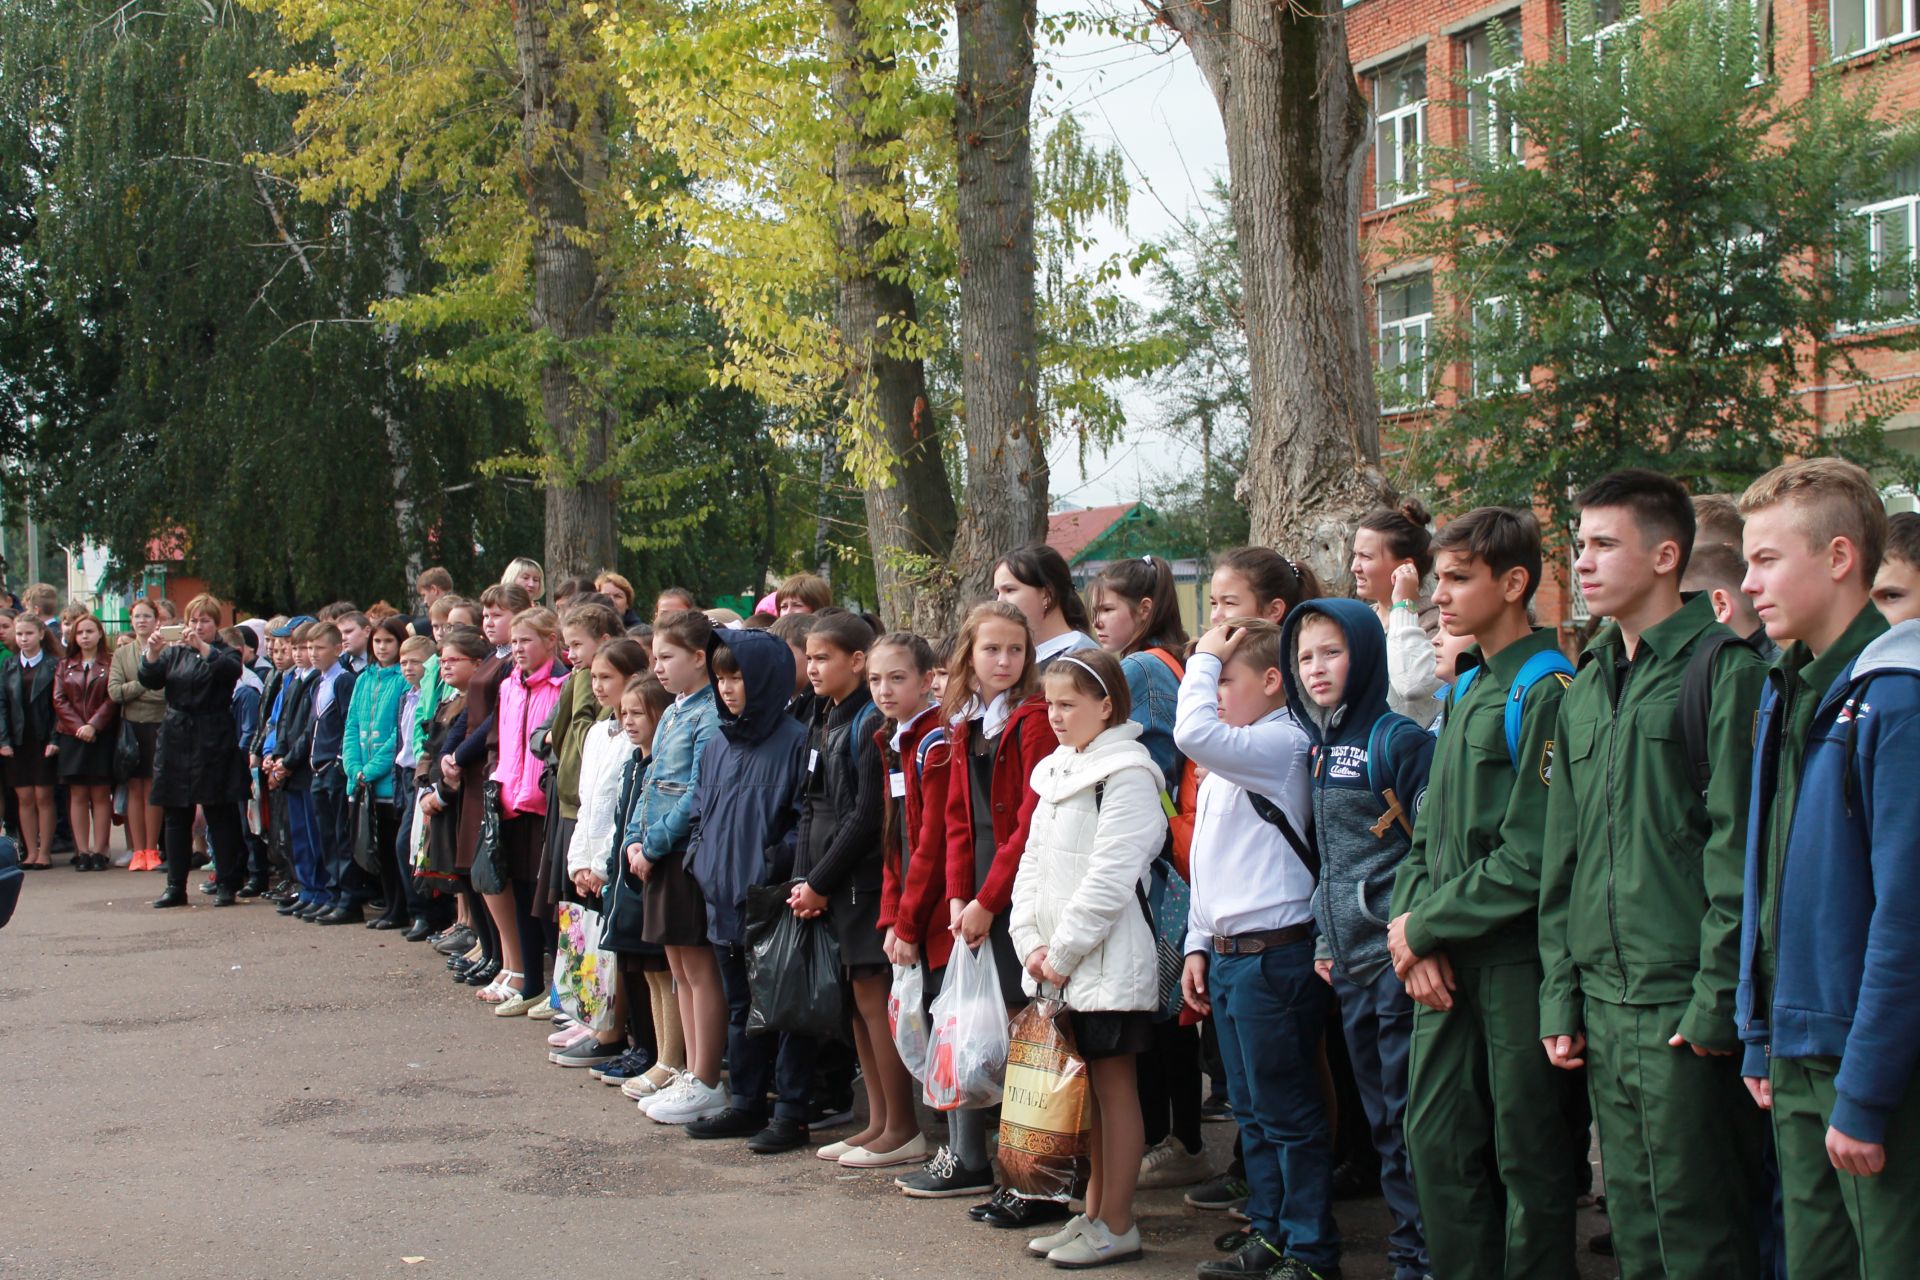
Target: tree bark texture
<point>1006,461</point>
<point>1297,136</point>
<point>569,292</point>
<point>909,504</point>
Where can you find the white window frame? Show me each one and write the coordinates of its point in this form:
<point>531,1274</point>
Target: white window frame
<point>1409,168</point>
<point>1872,213</point>
<point>1490,382</point>
<point>1489,82</point>
<point>1399,330</point>
<point>1875,38</point>
<point>1601,37</point>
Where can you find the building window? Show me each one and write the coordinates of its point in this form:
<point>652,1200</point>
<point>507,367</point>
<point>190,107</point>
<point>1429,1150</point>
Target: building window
<point>1406,315</point>
<point>1400,130</point>
<point>1892,242</point>
<point>1859,25</point>
<point>1496,327</point>
<point>1492,55</point>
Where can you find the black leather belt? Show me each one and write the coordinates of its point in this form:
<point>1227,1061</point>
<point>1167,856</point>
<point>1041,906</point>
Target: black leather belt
<point>1252,944</point>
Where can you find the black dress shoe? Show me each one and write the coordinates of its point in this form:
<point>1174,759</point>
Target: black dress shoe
<point>417,931</point>
<point>288,906</point>
<point>308,910</point>
<point>346,913</point>
<point>1007,1210</point>
<point>386,922</point>
<point>1256,1257</point>
<point>225,898</point>
<point>175,896</point>
<point>779,1136</point>
<point>252,889</point>
<point>731,1123</point>
<point>483,973</point>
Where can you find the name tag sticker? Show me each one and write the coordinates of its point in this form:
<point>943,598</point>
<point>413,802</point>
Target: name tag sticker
<point>813,759</point>
<point>897,783</point>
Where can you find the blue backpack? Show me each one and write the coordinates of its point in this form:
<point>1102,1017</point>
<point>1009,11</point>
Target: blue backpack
<point>1550,662</point>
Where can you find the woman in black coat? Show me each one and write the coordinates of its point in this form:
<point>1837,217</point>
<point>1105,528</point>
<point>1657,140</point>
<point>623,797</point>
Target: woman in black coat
<point>199,761</point>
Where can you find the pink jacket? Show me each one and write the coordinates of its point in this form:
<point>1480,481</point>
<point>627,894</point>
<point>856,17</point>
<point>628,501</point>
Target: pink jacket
<point>524,703</point>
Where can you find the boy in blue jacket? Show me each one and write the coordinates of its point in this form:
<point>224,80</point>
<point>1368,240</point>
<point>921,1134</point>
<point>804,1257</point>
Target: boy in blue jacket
<point>743,822</point>
<point>1829,996</point>
<point>1369,775</point>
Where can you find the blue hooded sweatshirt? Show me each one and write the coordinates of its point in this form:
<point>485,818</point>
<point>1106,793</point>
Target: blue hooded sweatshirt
<point>1360,839</point>
<point>1846,980</point>
<point>743,806</point>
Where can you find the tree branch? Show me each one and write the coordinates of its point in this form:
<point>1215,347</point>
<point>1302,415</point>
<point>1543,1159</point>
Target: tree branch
<point>1206,27</point>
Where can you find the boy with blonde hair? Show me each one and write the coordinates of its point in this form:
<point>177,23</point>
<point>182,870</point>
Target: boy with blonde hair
<point>1830,932</point>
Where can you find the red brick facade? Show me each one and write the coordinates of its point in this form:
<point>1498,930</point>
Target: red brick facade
<point>1387,38</point>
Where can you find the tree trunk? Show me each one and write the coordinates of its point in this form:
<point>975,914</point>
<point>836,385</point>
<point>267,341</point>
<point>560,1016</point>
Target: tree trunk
<point>1006,461</point>
<point>569,298</point>
<point>909,502</point>
<point>822,520</point>
<point>394,285</point>
<point>1297,134</point>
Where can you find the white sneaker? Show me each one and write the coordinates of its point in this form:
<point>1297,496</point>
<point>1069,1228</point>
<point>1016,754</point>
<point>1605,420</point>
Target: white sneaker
<point>690,1100</point>
<point>1096,1246</point>
<point>658,1095</point>
<point>1169,1164</point>
<point>1046,1244</point>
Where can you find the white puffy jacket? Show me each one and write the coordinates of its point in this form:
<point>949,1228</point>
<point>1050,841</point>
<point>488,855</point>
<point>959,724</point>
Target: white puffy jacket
<point>603,758</point>
<point>1076,891</point>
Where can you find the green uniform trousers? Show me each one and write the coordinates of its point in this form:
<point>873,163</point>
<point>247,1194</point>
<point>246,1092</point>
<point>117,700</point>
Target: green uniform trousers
<point>1682,1145</point>
<point>1840,1227</point>
<point>1490,1128</point>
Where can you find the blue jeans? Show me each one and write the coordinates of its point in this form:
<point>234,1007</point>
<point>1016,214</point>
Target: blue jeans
<point>773,1059</point>
<point>309,858</point>
<point>1378,1020</point>
<point>1270,1009</point>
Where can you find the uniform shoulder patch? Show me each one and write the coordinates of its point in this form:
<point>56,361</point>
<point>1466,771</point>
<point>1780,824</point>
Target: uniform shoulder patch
<point>1546,762</point>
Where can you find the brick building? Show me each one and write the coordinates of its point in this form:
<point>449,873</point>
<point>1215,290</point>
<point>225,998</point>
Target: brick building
<point>1411,54</point>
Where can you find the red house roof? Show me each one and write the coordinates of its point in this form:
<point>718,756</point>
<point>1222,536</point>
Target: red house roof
<point>1071,532</point>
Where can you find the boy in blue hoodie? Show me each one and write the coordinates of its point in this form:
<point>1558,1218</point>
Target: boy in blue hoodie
<point>1829,996</point>
<point>1369,775</point>
<point>743,821</point>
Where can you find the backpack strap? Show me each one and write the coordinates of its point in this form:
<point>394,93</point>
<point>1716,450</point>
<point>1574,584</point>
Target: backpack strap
<point>1380,744</point>
<point>867,712</point>
<point>1139,890</point>
<point>1548,662</point>
<point>1696,701</point>
<point>1302,847</point>
<point>935,736</point>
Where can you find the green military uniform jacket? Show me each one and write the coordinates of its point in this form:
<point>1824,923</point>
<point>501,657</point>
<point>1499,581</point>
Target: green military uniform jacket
<point>1470,885</point>
<point>1640,892</point>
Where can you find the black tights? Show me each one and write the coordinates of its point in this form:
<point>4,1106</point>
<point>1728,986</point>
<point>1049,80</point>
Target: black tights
<point>533,938</point>
<point>1170,1084</point>
<point>223,837</point>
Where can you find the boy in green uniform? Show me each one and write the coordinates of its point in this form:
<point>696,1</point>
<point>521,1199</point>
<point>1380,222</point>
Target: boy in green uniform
<point>1487,1121</point>
<point>1829,998</point>
<point>1640,892</point>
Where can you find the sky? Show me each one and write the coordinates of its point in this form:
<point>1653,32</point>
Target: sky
<point>1150,102</point>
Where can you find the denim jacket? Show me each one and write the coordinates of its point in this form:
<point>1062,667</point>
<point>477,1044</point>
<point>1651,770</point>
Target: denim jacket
<point>663,817</point>
<point>1156,695</point>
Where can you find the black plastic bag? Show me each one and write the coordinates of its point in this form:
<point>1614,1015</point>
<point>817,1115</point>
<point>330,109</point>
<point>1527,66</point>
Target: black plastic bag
<point>126,752</point>
<point>486,874</point>
<point>364,830</point>
<point>793,968</point>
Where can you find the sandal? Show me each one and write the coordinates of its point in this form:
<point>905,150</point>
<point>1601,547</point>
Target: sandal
<point>503,988</point>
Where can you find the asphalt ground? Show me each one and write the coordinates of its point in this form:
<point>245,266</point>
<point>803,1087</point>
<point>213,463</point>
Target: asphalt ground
<point>212,1093</point>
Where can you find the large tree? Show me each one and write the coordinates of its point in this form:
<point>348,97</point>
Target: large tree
<point>1675,262</point>
<point>201,368</point>
<point>1297,131</point>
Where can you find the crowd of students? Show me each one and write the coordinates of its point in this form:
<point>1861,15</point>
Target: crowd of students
<point>1667,893</point>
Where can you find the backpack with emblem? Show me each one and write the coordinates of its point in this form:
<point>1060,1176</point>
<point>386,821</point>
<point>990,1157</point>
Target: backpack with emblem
<point>1548,662</point>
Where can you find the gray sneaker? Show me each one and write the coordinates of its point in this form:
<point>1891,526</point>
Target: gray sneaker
<point>587,1053</point>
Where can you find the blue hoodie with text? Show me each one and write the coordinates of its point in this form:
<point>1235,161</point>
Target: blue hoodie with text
<point>1360,832</point>
<point>743,805</point>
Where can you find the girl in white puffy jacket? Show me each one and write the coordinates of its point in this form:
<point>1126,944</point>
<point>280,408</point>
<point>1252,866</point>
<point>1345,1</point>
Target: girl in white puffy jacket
<point>1080,919</point>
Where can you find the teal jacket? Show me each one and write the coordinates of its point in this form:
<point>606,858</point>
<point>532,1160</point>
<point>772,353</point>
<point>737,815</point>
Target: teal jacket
<point>372,739</point>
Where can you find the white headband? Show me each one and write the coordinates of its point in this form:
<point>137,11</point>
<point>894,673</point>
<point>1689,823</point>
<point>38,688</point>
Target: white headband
<point>1067,657</point>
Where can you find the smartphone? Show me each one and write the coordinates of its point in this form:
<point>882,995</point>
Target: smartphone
<point>173,633</point>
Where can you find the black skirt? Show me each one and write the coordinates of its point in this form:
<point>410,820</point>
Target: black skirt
<point>675,914</point>
<point>1108,1035</point>
<point>86,764</point>
<point>30,765</point>
<point>520,840</point>
<point>147,734</point>
<point>856,924</point>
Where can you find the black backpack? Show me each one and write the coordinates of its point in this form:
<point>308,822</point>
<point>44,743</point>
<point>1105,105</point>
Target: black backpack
<point>1696,702</point>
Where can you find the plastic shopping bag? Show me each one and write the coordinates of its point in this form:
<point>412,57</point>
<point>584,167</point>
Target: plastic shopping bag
<point>793,968</point>
<point>583,973</point>
<point>907,1018</point>
<point>967,1044</point>
<point>1044,1118</point>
